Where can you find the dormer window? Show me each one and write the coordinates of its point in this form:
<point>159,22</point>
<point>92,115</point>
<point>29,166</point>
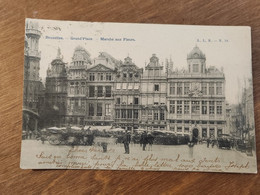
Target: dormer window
<point>124,75</point>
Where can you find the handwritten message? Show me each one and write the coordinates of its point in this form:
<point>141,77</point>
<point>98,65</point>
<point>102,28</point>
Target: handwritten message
<point>94,158</point>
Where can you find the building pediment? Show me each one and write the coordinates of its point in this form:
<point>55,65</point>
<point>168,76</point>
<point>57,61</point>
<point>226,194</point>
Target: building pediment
<point>99,68</point>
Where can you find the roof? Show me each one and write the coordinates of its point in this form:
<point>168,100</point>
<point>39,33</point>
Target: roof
<point>196,53</point>
<point>80,54</point>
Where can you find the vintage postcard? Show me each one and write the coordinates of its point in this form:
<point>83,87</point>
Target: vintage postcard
<point>125,96</point>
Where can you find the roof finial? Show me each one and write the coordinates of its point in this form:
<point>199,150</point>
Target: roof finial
<point>58,54</point>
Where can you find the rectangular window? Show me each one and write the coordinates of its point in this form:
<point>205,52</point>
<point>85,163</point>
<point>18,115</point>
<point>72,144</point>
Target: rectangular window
<point>179,129</point>
<point>81,121</point>
<point>83,104</point>
<point>162,118</point>
<point>172,107</point>
<point>91,91</point>
<point>108,91</point>
<point>172,88</point>
<point>211,89</point>
<point>143,112</point>
<point>100,91</point>
<point>118,86</point>
<point>136,86</point>
<point>186,88</point>
<point>135,114</point>
<point>179,88</point>
<point>130,86</point>
<point>72,104</point>
<point>117,100</point>
<point>92,76</point>
<point>195,68</point>
<point>108,76</point>
<point>219,89</point>
<point>136,101</point>
<point>99,109</point>
<point>195,107</point>
<point>150,115</point>
<point>123,113</point>
<point>179,107</point>
<point>76,103</point>
<point>124,86</point>
<point>101,76</point>
<point>211,107</point>
<point>186,107</point>
<point>156,87</point>
<point>204,88</point>
<point>117,113</point>
<point>204,107</point>
<point>129,113</point>
<point>219,107</point>
<point>219,132</point>
<point>91,109</point>
<point>108,109</point>
<point>186,130</point>
<point>155,115</point>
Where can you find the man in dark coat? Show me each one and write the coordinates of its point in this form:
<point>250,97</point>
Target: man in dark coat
<point>126,141</point>
<point>144,140</point>
<point>150,139</point>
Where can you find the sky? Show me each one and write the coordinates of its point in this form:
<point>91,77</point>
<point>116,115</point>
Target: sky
<point>227,47</point>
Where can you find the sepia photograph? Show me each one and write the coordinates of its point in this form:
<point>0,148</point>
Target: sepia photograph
<point>125,96</point>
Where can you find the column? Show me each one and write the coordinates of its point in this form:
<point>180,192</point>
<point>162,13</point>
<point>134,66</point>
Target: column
<point>207,84</point>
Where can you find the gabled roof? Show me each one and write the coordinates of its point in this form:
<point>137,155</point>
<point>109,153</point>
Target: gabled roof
<point>100,68</point>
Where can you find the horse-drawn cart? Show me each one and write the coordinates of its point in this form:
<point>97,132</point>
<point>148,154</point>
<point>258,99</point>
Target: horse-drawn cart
<point>69,136</point>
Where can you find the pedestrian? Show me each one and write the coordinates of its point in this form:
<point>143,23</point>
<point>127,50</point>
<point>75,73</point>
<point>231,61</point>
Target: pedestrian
<point>126,141</point>
<point>208,142</point>
<point>150,139</point>
<point>213,143</point>
<point>144,140</point>
<point>141,139</point>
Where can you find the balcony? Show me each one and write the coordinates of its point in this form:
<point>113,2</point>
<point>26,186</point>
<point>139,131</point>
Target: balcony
<point>203,75</point>
<point>196,117</point>
<point>99,118</point>
<point>130,106</point>
<point>34,32</point>
<point>75,67</point>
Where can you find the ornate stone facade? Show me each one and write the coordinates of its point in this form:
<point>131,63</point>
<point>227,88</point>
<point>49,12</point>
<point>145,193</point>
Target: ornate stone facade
<point>56,91</point>
<point>127,95</point>
<point>196,98</point>
<point>32,84</point>
<point>105,91</point>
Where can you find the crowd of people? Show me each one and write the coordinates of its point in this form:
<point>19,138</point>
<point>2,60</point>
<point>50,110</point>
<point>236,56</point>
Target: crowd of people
<point>146,139</point>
